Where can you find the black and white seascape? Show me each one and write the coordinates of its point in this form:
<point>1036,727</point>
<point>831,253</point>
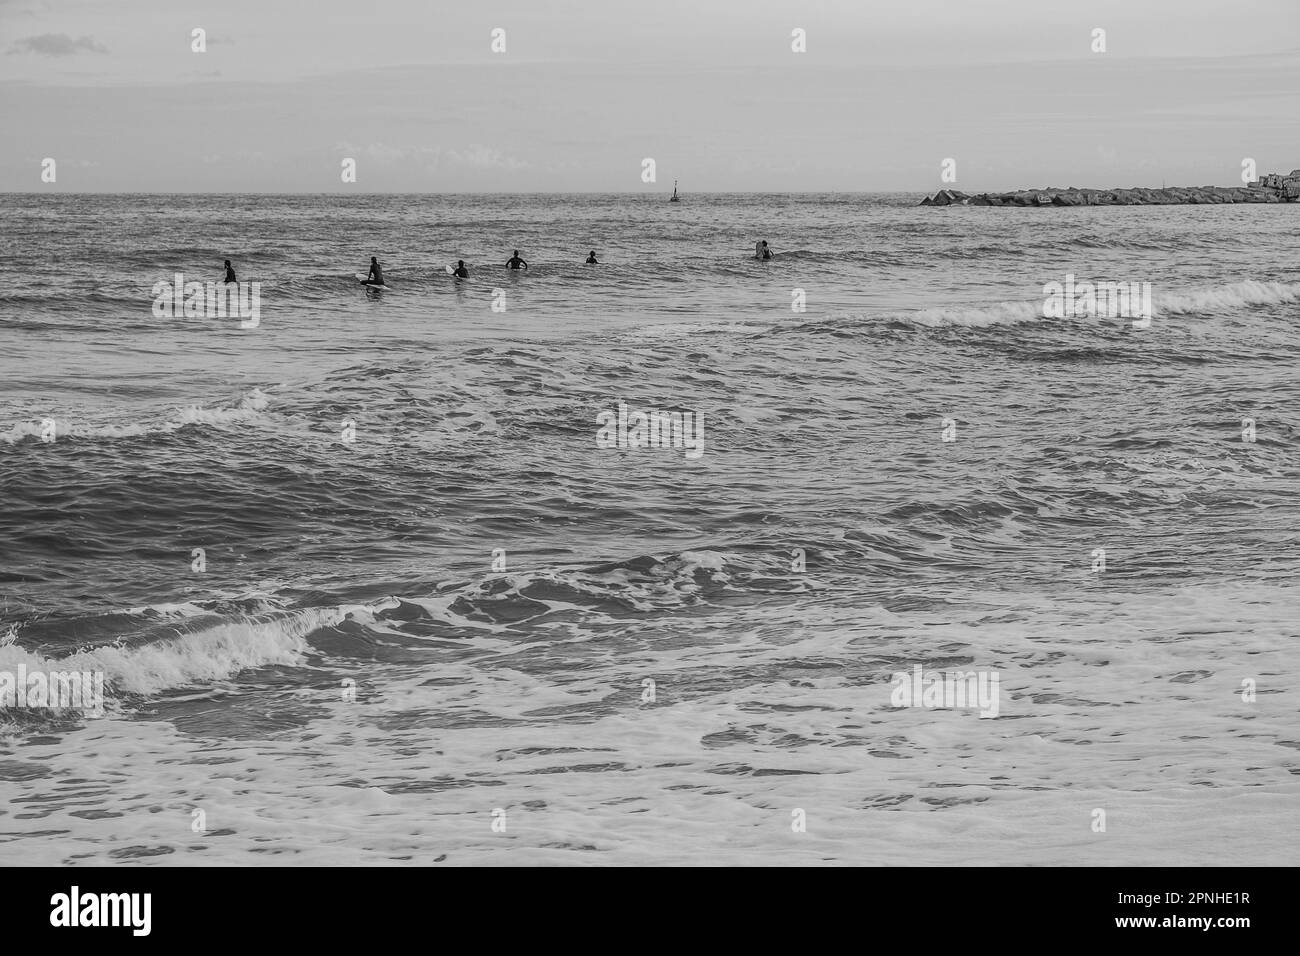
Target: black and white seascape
<point>885,452</point>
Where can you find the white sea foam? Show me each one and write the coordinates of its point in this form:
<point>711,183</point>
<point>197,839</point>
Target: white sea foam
<point>206,654</point>
<point>1218,300</point>
<point>1127,703</point>
<point>1227,298</point>
<point>249,407</point>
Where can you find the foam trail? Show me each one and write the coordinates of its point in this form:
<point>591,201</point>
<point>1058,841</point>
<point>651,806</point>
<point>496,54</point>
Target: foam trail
<point>209,654</point>
<point>1227,298</point>
<point>250,407</point>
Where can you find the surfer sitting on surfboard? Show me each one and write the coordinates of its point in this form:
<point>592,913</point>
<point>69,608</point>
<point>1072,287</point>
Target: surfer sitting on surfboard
<point>514,262</point>
<point>376,274</point>
<point>591,259</point>
<point>230,273</point>
<point>460,272</point>
<point>761,251</point>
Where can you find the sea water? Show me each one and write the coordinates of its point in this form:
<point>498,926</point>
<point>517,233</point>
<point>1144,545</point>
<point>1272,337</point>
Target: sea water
<point>364,584</point>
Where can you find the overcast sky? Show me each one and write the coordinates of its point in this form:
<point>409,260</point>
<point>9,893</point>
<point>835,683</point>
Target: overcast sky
<point>710,89</point>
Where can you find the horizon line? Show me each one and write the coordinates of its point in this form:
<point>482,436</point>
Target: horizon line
<point>594,192</point>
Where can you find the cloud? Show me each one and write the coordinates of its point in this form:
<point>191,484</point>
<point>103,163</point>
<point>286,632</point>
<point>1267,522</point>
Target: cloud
<point>473,156</point>
<point>16,8</point>
<point>387,155</point>
<point>57,44</point>
<point>484,157</point>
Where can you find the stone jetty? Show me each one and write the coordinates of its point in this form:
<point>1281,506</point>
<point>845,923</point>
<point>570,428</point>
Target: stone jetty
<point>1137,196</point>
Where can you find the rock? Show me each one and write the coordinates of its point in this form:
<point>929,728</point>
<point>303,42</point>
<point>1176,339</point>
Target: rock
<point>1133,196</point>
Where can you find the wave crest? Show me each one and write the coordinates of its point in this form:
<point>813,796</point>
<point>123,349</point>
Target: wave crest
<point>250,406</point>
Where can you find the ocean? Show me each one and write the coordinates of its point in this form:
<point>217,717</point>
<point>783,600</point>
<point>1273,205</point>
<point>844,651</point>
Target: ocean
<point>365,586</point>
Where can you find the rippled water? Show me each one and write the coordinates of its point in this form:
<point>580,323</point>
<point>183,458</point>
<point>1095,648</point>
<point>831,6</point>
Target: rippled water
<point>680,653</point>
